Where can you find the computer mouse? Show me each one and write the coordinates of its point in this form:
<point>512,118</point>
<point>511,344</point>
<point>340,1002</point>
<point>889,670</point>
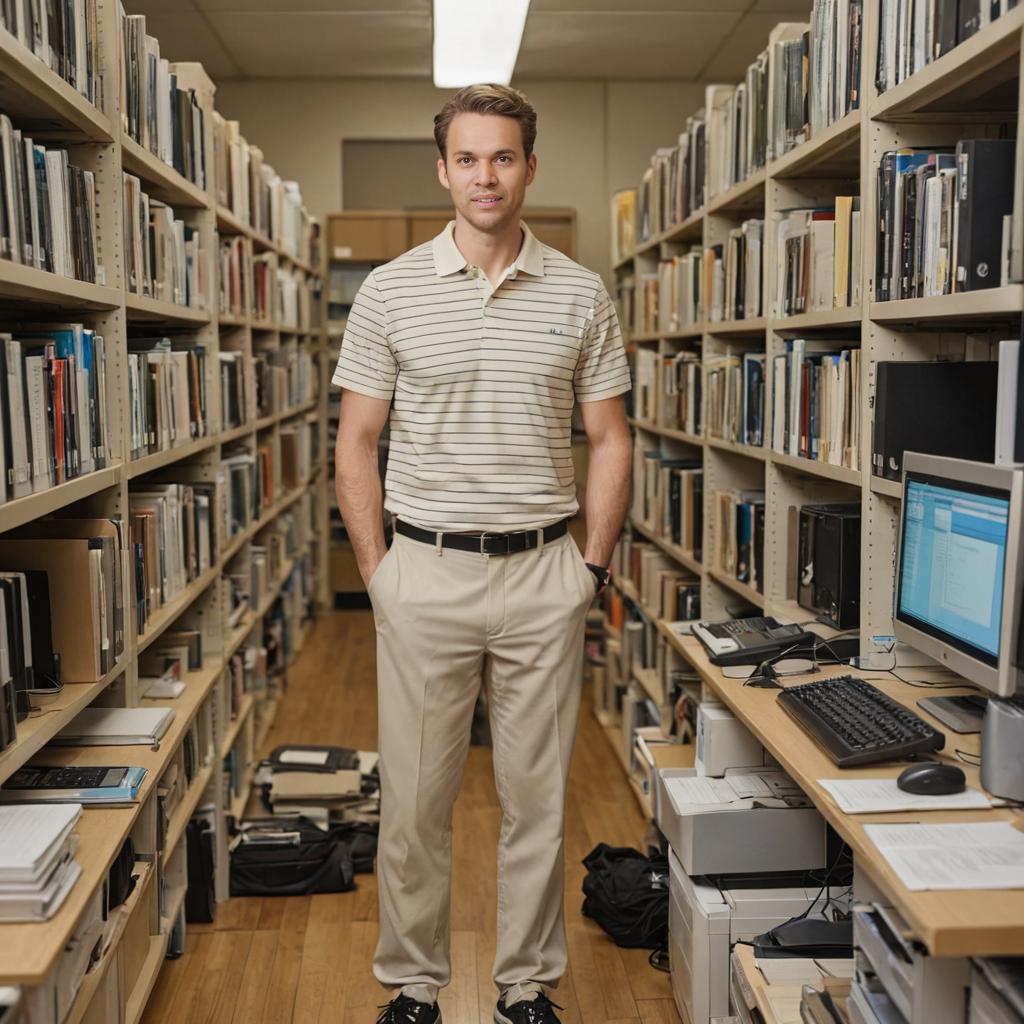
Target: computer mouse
<point>932,779</point>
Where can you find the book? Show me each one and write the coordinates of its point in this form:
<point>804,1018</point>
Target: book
<point>102,727</point>
<point>35,783</point>
<point>32,839</point>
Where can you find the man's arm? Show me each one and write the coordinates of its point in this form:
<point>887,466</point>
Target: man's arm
<point>608,475</point>
<point>357,477</point>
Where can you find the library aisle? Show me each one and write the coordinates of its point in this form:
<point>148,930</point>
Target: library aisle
<point>308,958</point>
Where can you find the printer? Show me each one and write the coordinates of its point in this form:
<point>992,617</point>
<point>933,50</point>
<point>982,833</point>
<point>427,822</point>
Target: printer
<point>706,917</point>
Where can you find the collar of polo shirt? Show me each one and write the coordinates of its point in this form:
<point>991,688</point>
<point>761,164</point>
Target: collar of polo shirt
<point>448,259</point>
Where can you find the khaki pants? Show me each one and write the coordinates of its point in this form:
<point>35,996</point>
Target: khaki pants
<point>437,615</point>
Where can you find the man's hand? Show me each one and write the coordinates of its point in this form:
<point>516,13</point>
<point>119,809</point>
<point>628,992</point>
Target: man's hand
<point>357,477</point>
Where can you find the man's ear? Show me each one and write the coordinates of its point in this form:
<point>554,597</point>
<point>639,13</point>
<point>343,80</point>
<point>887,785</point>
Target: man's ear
<point>442,173</point>
<point>531,168</point>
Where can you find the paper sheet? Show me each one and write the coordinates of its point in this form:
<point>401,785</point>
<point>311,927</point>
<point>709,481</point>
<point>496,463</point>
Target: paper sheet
<point>872,796</point>
<point>802,970</point>
<point>785,1003</point>
<point>699,789</point>
<point>973,856</point>
<point>318,757</point>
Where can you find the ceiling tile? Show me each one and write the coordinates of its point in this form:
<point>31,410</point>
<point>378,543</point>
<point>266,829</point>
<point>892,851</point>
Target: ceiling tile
<point>620,45</point>
<point>188,37</point>
<point>728,63</point>
<point>336,45</point>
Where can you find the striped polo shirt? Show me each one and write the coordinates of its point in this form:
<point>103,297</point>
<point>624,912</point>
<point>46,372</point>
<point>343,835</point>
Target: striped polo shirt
<point>482,380</point>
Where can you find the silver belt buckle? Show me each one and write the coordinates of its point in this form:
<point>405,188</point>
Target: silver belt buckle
<point>483,537</point>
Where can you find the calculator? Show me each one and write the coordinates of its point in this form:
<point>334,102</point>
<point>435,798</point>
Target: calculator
<point>72,777</point>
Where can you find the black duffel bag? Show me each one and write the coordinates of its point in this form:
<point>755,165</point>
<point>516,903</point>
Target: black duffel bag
<point>627,894</point>
<point>293,858</point>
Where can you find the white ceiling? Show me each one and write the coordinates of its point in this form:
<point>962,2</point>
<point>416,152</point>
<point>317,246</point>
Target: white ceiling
<point>688,40</point>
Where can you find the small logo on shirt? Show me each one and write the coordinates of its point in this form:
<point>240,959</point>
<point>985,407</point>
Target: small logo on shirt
<point>555,330</point>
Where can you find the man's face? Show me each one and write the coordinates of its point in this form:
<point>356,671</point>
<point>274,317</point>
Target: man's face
<point>486,170</point>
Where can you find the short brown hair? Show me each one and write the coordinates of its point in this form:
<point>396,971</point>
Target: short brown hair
<point>488,99</point>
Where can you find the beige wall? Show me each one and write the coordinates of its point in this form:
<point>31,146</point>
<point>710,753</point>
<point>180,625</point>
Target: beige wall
<point>594,137</point>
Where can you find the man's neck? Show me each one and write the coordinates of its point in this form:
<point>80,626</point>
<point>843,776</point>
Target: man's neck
<point>492,253</point>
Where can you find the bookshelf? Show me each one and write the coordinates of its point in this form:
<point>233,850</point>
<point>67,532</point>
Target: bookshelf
<point>287,528</point>
<point>973,91</point>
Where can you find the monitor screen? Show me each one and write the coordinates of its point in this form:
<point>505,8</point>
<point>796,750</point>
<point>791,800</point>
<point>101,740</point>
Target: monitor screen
<point>952,562</point>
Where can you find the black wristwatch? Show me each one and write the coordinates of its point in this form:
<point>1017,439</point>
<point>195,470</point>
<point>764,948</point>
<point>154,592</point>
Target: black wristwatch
<point>602,575</point>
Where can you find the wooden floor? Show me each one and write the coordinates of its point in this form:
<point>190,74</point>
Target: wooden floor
<point>307,959</point>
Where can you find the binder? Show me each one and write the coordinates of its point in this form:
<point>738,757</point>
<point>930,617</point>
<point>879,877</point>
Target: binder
<point>984,196</point>
<point>936,408</point>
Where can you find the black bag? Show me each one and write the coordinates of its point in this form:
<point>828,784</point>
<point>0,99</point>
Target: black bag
<point>293,858</point>
<point>627,894</point>
<point>200,903</point>
<point>361,838</point>
<point>120,880</point>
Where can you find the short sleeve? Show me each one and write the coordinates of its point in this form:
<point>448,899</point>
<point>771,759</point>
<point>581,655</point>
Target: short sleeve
<point>602,370</point>
<point>366,363</point>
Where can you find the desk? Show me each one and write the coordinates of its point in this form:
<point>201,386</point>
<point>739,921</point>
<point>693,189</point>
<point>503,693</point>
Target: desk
<point>950,924</point>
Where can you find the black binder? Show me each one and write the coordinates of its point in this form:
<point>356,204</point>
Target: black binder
<point>947,17</point>
<point>935,408</point>
<point>984,196</point>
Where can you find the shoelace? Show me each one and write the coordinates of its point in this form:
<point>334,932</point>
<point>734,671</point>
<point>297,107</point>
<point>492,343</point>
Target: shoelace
<point>540,1010</point>
<point>403,1004</point>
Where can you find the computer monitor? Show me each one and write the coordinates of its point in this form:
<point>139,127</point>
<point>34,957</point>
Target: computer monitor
<point>959,571</point>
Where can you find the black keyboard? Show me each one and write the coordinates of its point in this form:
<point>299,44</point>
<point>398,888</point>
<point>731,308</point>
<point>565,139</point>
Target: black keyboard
<point>858,724</point>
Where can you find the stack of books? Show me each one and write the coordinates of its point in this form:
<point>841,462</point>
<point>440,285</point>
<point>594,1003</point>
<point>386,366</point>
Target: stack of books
<point>64,35</point>
<point>735,399</point>
<point>731,280</point>
<point>155,112</point>
<point>623,223</point>
<point>234,276</point>
<point>49,208</point>
<point>814,73</point>
<point>37,866</point>
<point>817,254</point>
<point>816,402</point>
<point>679,291</point>
<point>234,409</point>
<point>913,34</point>
<point>162,253</point>
<point>172,529</point>
<point>53,408</point>
<point>166,394</point>
<point>739,535</point>
<point>945,219</point>
<point>82,559</point>
<point>672,188</point>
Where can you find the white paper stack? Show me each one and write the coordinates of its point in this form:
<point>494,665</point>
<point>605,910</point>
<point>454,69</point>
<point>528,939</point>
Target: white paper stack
<point>37,866</point>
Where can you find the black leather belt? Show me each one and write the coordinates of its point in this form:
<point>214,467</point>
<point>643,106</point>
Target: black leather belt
<point>485,543</point>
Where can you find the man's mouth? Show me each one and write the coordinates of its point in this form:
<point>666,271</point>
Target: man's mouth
<point>487,200</point>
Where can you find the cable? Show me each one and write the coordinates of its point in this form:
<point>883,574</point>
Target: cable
<point>968,758</point>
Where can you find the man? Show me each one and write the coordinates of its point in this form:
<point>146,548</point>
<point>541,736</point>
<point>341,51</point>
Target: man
<point>477,344</point>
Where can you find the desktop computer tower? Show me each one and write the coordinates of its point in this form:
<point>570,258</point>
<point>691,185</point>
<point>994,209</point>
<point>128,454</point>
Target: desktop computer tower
<point>828,563</point>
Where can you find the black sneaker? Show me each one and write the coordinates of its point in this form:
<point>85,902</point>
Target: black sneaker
<point>539,1010</point>
<point>404,1010</point>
